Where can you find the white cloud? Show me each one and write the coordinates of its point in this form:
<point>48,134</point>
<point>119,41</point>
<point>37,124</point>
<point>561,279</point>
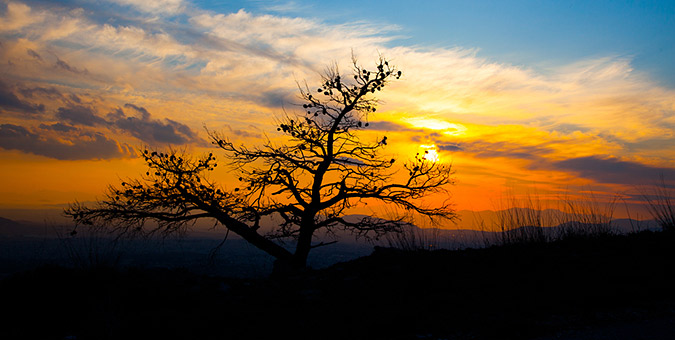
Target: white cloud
<point>604,95</point>
<point>290,6</point>
<point>18,15</point>
<point>155,6</point>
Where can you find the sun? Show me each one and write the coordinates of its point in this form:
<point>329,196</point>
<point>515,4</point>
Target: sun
<point>430,152</point>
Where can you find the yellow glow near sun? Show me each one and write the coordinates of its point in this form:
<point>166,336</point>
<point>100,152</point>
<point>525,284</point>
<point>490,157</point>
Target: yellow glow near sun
<point>447,128</point>
<point>430,152</point>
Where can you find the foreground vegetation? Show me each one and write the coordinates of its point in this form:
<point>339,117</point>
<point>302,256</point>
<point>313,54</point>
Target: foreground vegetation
<point>514,291</point>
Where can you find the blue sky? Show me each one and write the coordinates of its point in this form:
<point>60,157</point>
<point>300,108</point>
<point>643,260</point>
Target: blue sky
<point>526,33</point>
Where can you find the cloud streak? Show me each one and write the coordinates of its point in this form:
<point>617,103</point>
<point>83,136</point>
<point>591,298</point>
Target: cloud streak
<point>615,171</point>
<point>9,100</point>
<point>79,115</point>
<point>155,6</point>
<point>80,144</point>
<point>154,132</point>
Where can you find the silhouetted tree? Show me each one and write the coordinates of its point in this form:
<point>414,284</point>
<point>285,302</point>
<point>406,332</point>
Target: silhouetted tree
<point>310,182</point>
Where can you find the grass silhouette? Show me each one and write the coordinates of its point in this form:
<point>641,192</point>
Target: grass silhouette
<point>661,204</point>
<point>527,218</point>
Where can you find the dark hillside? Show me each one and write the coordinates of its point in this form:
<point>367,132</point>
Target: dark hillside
<point>508,292</point>
<point>13,228</point>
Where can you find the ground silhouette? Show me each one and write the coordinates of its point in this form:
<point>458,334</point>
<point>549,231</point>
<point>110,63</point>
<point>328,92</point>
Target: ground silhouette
<point>527,291</point>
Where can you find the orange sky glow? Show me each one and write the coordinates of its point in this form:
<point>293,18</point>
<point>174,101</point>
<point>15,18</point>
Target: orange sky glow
<point>80,95</point>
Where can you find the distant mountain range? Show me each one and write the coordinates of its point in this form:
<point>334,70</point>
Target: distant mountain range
<point>471,227</point>
<point>487,219</point>
<point>26,245</point>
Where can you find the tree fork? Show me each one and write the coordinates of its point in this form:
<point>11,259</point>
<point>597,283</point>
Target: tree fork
<point>289,181</point>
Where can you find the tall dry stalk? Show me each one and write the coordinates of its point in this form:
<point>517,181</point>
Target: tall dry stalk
<point>523,220</point>
<point>586,216</point>
<point>412,238</point>
<point>661,204</point>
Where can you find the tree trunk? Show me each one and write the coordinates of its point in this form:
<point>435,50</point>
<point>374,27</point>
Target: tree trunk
<point>297,263</point>
<point>302,249</point>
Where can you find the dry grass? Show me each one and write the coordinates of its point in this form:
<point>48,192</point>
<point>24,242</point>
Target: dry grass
<point>412,238</point>
<point>524,222</point>
<point>587,216</point>
<point>661,204</point>
<point>528,218</point>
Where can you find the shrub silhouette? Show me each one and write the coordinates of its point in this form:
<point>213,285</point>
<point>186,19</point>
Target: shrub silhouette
<point>310,182</point>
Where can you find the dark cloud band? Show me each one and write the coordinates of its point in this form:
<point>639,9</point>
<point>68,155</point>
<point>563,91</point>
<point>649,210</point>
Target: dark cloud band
<point>10,101</point>
<point>150,130</point>
<point>612,170</point>
<point>80,145</point>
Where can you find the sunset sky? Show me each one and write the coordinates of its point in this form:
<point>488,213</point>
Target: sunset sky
<point>526,96</point>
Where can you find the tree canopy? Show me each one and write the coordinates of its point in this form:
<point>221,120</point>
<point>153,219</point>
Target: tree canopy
<point>309,183</point>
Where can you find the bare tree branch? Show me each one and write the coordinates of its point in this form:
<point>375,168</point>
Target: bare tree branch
<point>310,182</point>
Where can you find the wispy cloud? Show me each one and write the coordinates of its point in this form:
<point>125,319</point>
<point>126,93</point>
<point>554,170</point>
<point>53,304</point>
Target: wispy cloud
<point>283,7</point>
<point>155,6</point>
<point>189,66</point>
